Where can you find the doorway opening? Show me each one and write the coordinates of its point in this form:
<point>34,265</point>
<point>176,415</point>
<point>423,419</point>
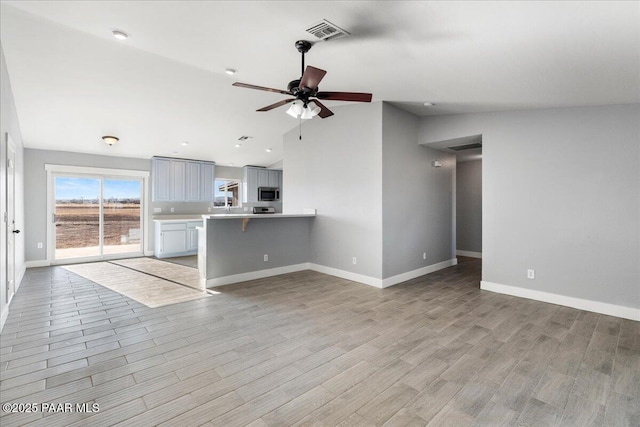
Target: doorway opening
<point>469,207</point>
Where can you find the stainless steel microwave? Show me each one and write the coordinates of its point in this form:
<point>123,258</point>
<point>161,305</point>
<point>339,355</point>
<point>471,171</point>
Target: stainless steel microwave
<point>268,194</point>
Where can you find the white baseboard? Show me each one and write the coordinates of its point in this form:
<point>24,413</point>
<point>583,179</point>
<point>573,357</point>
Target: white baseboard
<point>469,254</point>
<point>343,274</point>
<point>37,263</point>
<point>403,277</point>
<point>579,303</point>
<point>148,253</point>
<point>360,278</point>
<point>18,280</point>
<point>20,276</point>
<point>253,275</point>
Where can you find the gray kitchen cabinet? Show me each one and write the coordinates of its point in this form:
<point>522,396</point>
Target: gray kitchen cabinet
<point>179,180</point>
<point>192,236</point>
<point>263,178</point>
<point>207,181</point>
<point>176,238</point>
<point>161,170</point>
<point>171,239</point>
<point>250,185</point>
<point>194,170</point>
<point>273,178</point>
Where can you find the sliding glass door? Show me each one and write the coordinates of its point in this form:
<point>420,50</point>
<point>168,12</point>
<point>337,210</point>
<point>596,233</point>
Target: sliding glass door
<point>97,217</point>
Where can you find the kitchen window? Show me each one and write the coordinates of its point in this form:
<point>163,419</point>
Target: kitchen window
<point>226,193</point>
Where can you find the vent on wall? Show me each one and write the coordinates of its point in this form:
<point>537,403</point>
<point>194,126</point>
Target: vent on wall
<point>325,30</point>
<point>466,146</point>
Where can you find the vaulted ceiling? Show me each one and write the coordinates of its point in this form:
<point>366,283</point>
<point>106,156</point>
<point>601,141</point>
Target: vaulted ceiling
<point>74,82</point>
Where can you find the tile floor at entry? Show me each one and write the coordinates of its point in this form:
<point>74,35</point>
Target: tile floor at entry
<point>148,281</point>
<point>310,349</point>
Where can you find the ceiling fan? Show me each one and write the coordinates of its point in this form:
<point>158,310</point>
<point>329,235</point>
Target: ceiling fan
<point>306,88</point>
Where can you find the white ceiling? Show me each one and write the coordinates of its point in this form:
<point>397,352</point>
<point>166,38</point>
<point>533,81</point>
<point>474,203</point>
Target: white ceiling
<point>73,82</point>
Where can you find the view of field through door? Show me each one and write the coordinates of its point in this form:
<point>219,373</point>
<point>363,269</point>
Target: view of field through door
<point>97,217</point>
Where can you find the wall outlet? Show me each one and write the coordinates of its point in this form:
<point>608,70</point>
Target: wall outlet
<point>531,274</point>
<point>171,210</point>
<point>157,210</point>
<point>355,260</point>
<point>424,255</point>
<point>266,257</point>
<point>246,209</point>
<point>209,209</point>
<point>39,245</point>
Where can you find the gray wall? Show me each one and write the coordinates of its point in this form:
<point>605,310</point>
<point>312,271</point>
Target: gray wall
<point>469,206</point>
<point>9,124</point>
<point>231,251</point>
<point>417,205</point>
<point>561,190</point>
<point>337,169</point>
<point>36,183</point>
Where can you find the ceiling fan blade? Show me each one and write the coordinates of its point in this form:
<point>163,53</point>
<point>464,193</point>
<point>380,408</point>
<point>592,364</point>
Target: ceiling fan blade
<point>277,104</point>
<point>345,96</point>
<point>268,89</point>
<point>324,111</point>
<point>311,77</point>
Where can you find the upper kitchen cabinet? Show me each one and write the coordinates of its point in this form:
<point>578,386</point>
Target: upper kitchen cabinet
<point>179,180</point>
<point>207,181</point>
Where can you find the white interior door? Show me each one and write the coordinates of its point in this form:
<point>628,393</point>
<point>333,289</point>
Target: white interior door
<point>10,220</point>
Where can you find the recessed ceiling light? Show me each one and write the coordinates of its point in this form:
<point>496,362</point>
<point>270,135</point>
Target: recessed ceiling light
<point>238,145</point>
<point>119,34</point>
<point>230,71</point>
<point>268,150</point>
<point>184,144</point>
<point>174,152</point>
<point>230,164</point>
<point>428,104</point>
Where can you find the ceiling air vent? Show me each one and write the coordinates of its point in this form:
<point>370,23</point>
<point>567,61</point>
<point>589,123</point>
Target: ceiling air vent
<point>466,146</point>
<point>244,138</point>
<point>325,30</point>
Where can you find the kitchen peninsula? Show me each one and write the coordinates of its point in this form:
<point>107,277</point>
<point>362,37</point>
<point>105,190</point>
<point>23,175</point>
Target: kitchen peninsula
<point>238,247</point>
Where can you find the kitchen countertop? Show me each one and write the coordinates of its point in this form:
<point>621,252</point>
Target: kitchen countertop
<point>264,216</point>
<point>178,218</point>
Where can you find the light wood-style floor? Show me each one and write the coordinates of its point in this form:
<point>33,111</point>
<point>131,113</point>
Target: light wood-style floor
<point>310,349</point>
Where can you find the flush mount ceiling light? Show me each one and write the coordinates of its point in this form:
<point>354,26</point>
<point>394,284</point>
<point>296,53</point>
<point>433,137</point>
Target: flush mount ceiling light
<point>184,144</point>
<point>230,71</point>
<point>268,150</point>
<point>110,140</point>
<point>119,34</point>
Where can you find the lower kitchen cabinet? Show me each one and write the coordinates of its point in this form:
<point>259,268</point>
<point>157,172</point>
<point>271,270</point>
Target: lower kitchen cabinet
<point>192,236</point>
<point>174,238</point>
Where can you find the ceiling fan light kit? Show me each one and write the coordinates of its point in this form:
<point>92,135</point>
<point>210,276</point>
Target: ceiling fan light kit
<point>304,89</point>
